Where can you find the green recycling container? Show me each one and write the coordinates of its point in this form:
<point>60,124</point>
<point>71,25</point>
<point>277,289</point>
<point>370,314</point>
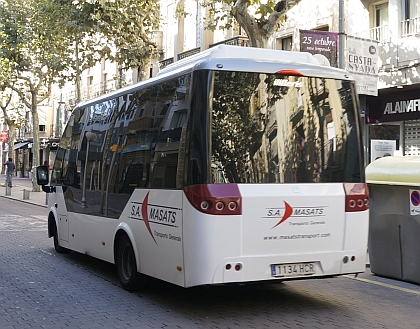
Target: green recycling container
<point>394,217</point>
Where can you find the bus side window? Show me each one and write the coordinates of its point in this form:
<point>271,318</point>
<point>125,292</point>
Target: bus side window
<point>133,178</point>
<point>169,150</point>
<point>137,137</point>
<point>56,171</point>
<point>65,169</point>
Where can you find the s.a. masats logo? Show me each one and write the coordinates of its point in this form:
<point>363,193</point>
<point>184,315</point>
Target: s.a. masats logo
<point>289,212</point>
<point>157,214</point>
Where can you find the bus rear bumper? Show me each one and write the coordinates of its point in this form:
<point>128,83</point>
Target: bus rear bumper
<point>286,267</point>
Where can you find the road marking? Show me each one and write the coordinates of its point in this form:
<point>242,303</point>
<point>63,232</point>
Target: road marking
<point>17,223</point>
<point>411,291</point>
<point>41,217</point>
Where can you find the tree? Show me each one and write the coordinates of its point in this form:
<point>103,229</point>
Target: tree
<point>11,115</point>
<point>128,25</point>
<point>259,19</point>
<point>34,46</point>
<point>80,30</point>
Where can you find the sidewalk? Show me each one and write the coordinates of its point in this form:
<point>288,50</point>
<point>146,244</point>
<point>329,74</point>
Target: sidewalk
<point>17,191</point>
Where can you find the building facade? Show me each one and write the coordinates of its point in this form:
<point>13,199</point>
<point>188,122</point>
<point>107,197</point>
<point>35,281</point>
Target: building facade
<point>391,116</point>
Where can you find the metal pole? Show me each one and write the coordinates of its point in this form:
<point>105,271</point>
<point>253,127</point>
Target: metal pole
<point>341,34</point>
<point>83,203</point>
<point>90,136</point>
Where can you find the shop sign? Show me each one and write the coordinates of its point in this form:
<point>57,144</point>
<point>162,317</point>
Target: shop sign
<point>320,42</point>
<point>412,105</point>
<point>382,148</point>
<point>45,143</point>
<point>397,106</point>
<point>362,63</point>
<point>4,136</point>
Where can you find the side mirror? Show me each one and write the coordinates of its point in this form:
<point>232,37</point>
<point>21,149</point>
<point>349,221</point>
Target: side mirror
<point>42,175</point>
<point>42,178</point>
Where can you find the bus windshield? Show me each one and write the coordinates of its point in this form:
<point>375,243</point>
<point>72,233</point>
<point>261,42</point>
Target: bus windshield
<point>271,128</point>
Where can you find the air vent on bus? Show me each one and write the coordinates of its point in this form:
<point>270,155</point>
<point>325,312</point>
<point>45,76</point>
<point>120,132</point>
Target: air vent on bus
<point>357,196</point>
<point>215,199</point>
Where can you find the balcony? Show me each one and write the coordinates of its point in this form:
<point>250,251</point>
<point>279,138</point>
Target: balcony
<point>92,91</point>
<point>164,63</point>
<point>240,40</point>
<point>98,89</point>
<point>410,27</point>
<point>188,53</point>
<point>379,33</point>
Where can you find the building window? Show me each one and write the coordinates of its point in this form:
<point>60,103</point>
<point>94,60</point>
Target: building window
<point>381,15</point>
<point>28,125</point>
<point>379,31</point>
<point>325,28</point>
<point>284,43</point>
<point>105,83</point>
<point>411,8</point>
<point>410,23</point>
<point>42,128</point>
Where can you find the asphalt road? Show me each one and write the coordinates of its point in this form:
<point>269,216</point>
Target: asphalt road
<point>42,289</point>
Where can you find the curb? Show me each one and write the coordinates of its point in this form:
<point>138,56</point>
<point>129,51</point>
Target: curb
<point>24,201</point>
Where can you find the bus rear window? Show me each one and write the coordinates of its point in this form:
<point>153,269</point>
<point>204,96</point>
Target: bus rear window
<point>283,129</point>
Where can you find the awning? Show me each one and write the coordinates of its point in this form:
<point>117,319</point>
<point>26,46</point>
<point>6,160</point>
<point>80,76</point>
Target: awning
<point>20,145</point>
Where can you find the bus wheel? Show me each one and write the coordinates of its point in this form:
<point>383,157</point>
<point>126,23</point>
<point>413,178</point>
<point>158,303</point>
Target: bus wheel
<point>126,265</point>
<point>57,247</point>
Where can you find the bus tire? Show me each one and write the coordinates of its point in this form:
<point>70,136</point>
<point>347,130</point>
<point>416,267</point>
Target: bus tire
<point>126,265</point>
<point>57,247</point>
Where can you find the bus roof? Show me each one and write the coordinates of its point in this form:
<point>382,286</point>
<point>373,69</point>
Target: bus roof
<point>235,58</point>
<point>230,52</point>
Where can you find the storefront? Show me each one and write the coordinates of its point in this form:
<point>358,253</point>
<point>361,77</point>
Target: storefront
<point>49,149</point>
<point>24,154</point>
<point>393,122</point>
<point>22,158</point>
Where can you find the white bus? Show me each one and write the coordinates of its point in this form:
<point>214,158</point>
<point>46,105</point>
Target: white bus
<point>235,165</point>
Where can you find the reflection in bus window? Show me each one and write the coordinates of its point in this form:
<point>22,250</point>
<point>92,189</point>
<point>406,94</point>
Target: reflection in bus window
<point>171,114</point>
<point>66,169</point>
<point>279,129</point>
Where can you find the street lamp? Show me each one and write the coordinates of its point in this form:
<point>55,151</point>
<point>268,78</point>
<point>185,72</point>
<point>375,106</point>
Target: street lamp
<point>341,34</point>
<point>59,114</point>
<point>90,136</point>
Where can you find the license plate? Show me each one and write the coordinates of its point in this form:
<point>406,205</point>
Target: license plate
<point>295,269</point>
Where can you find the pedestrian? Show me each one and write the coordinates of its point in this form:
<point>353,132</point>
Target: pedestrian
<point>10,168</point>
<point>47,165</point>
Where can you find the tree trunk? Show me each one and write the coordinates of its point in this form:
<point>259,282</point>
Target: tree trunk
<point>258,32</point>
<point>12,137</point>
<point>78,73</point>
<point>35,143</point>
<point>143,71</point>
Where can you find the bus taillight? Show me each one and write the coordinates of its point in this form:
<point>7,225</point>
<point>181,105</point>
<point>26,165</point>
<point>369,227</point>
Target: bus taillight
<point>357,197</point>
<point>215,199</point>
<point>290,72</point>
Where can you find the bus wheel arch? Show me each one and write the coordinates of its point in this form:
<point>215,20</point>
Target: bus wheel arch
<point>52,224</point>
<point>53,232</point>
<point>126,263</point>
